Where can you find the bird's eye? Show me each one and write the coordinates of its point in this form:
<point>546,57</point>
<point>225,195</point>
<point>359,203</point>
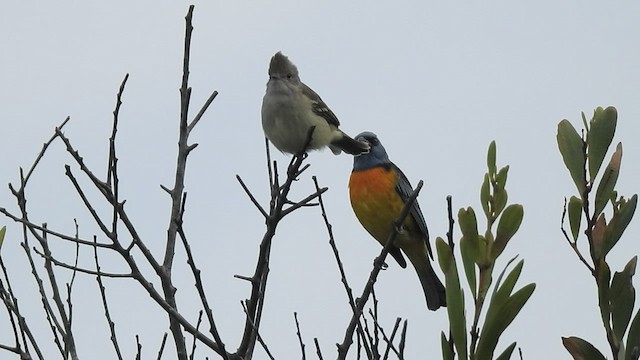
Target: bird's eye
<point>289,76</point>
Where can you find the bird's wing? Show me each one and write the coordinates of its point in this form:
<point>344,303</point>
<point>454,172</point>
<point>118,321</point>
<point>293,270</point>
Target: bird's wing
<point>319,107</point>
<point>404,188</point>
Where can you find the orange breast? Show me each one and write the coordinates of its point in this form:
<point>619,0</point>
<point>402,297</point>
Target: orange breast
<point>375,201</point>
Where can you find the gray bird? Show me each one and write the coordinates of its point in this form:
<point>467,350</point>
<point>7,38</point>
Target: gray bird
<point>290,108</point>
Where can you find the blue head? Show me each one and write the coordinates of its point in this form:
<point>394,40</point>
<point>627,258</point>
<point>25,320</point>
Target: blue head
<point>377,155</point>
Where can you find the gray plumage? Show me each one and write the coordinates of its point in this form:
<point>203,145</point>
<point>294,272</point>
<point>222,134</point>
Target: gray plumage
<point>290,108</point>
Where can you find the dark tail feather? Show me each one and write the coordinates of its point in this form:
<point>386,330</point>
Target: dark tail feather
<point>349,145</point>
<point>434,291</point>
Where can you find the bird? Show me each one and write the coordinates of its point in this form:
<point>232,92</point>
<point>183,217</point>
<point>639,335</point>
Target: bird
<point>290,108</point>
<point>378,192</point>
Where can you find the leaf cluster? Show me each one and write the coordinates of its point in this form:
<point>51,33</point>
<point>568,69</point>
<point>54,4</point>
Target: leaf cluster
<point>583,156</point>
<point>479,253</point>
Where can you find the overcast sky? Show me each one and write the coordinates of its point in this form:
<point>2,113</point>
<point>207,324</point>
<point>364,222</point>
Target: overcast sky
<point>436,82</point>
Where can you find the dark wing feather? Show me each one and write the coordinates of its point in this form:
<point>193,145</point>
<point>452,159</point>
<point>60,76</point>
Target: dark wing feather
<point>405,189</point>
<point>319,107</point>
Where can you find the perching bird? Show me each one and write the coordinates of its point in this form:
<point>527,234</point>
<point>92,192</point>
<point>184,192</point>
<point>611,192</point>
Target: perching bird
<point>290,108</point>
<point>378,192</point>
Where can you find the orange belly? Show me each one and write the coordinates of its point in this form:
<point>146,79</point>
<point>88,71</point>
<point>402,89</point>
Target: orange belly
<point>375,201</point>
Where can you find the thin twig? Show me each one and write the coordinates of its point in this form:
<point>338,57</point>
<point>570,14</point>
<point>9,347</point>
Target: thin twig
<point>336,254</point>
<point>105,306</point>
<point>42,152</point>
<point>403,340</point>
<point>162,344</point>
<point>48,231</point>
<point>69,342</point>
<point>251,197</point>
<point>204,108</point>
<point>451,245</point>
<point>318,351</point>
<point>451,223</point>
<point>258,337</point>
<point>389,340</point>
<point>573,244</point>
<point>193,347</point>
<point>198,283</point>
<point>138,348</point>
<point>304,354</point>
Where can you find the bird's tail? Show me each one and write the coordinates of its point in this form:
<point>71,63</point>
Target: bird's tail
<point>348,145</point>
<point>434,291</point>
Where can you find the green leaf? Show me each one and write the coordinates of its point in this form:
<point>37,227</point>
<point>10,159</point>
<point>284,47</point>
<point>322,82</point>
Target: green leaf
<point>484,196</point>
<point>501,319</point>
<point>455,297</point>
<point>619,223</point>
<point>502,290</point>
<point>501,178</point>
<point>468,222</point>
<point>447,353</point>
<point>491,159</point>
<point>499,200</point>
<point>581,349</point>
<point>499,298</point>
<point>506,354</point>
<point>3,231</point>
<point>507,227</point>
<point>603,276</point>
<point>599,137</point>
<point>470,247</point>
<point>633,339</point>
<point>622,296</point>
<point>575,216</point>
<point>572,150</point>
<point>608,181</point>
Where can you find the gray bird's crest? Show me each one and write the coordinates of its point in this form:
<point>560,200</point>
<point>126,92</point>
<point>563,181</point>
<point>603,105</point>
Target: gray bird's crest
<point>281,65</point>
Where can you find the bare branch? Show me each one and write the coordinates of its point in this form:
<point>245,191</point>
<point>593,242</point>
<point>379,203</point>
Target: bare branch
<point>318,351</point>
<point>41,154</point>
<point>196,274</point>
<point>202,111</point>
<point>116,113</point>
<point>304,354</point>
<point>403,340</point>
<point>69,342</point>
<point>253,199</point>
<point>13,312</point>
<point>389,340</point>
<point>193,347</point>
<point>36,227</point>
<point>62,264</point>
<point>139,348</point>
<point>105,306</point>
<point>162,344</point>
<point>258,337</point>
<point>336,254</point>
<point>451,223</point>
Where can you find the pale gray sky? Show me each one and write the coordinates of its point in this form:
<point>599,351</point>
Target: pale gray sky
<point>436,82</point>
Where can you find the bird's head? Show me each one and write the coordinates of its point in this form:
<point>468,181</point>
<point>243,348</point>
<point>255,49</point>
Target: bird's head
<point>376,156</point>
<point>281,68</point>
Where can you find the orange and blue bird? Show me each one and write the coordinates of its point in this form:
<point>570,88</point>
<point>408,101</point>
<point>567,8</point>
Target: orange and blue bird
<point>379,190</point>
